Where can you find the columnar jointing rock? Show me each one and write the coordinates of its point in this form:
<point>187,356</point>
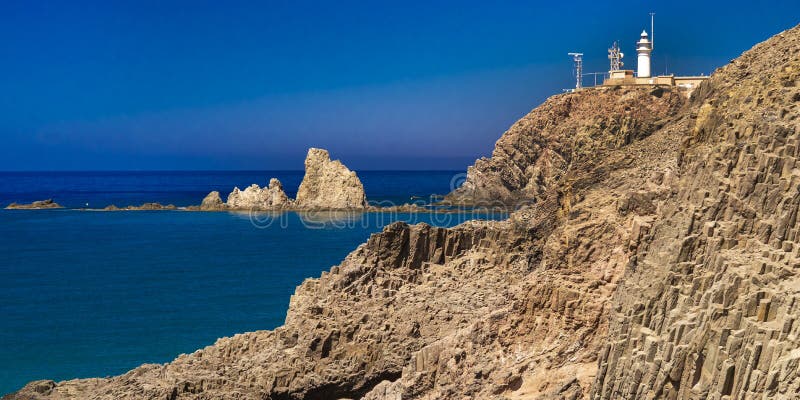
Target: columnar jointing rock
<point>329,184</point>
<point>710,307</point>
<point>255,197</point>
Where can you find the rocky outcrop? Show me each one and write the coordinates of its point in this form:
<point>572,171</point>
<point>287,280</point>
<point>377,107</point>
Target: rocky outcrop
<point>212,202</point>
<point>258,198</point>
<point>661,264</point>
<point>143,207</point>
<point>532,155</point>
<point>329,184</point>
<point>36,205</point>
<point>355,326</point>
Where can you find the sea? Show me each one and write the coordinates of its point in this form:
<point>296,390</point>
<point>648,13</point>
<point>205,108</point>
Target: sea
<point>92,294</point>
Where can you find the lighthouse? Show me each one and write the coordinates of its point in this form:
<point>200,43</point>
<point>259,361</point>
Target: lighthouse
<point>643,48</point>
<point>643,74</point>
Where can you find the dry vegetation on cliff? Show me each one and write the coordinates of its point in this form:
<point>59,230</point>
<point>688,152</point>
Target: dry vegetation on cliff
<point>660,260</point>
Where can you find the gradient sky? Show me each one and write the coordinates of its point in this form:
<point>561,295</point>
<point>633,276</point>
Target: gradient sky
<point>149,85</point>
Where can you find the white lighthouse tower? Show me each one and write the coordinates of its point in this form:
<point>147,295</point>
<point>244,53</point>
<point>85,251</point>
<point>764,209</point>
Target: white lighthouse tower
<point>643,48</point>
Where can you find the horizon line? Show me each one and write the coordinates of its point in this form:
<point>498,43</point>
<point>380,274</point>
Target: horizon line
<point>220,170</point>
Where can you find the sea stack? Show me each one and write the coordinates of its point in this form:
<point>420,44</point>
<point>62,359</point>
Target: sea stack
<point>329,184</point>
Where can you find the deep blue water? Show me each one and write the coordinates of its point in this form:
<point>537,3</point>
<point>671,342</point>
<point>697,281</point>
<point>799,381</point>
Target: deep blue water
<point>183,188</point>
<point>86,293</point>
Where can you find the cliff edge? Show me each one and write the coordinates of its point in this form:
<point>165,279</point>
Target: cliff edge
<point>534,153</point>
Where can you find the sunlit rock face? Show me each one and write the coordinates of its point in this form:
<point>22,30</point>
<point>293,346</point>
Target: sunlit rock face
<point>212,201</point>
<point>329,184</point>
<point>258,198</point>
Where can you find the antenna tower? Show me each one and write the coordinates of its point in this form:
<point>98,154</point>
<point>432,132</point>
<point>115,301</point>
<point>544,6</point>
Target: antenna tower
<point>652,30</point>
<point>615,56</point>
<point>578,58</point>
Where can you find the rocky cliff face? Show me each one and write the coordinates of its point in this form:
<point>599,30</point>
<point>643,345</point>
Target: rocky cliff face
<point>258,198</point>
<point>534,153</point>
<point>660,262</point>
<point>329,184</point>
<point>710,303</point>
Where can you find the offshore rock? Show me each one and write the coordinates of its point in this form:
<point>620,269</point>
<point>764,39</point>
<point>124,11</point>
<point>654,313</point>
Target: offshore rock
<point>143,207</point>
<point>211,202</point>
<point>329,184</point>
<point>36,205</point>
<point>258,198</point>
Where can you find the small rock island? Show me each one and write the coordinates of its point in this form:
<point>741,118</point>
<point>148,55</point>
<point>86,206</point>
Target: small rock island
<point>36,205</point>
<point>327,185</point>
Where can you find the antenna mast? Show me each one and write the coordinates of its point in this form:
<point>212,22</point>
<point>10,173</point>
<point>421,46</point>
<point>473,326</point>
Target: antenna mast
<point>578,58</point>
<point>615,56</point>
<point>652,30</point>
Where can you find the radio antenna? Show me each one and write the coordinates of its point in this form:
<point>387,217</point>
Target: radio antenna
<point>652,30</point>
<point>578,59</point>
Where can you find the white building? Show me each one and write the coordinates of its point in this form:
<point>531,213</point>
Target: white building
<point>643,48</point>
<point>643,74</point>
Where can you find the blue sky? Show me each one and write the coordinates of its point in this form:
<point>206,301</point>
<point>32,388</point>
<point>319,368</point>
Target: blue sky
<point>150,85</point>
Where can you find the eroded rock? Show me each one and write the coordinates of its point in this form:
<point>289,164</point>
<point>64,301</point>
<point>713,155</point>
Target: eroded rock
<point>258,198</point>
<point>533,154</point>
<point>143,207</point>
<point>36,205</point>
<point>212,201</point>
<point>329,184</point>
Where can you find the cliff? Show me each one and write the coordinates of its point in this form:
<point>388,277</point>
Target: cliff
<point>709,307</point>
<point>656,257</point>
<point>535,152</point>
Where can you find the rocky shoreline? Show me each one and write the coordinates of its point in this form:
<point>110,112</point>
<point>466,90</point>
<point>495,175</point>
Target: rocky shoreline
<point>658,259</point>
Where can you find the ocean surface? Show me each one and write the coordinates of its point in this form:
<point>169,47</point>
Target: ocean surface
<point>87,293</point>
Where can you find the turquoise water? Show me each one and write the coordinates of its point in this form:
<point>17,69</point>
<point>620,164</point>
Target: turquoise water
<point>87,293</point>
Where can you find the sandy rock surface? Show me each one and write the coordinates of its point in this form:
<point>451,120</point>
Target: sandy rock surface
<point>329,184</point>
<point>258,198</point>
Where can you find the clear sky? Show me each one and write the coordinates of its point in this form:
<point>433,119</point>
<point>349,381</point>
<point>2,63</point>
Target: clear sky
<point>148,85</point>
